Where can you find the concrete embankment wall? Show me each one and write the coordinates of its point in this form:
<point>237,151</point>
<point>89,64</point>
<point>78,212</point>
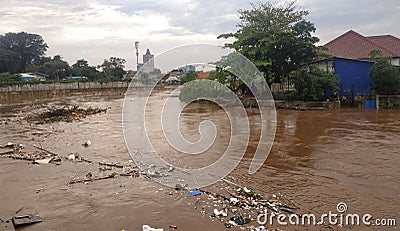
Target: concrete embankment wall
<point>18,93</point>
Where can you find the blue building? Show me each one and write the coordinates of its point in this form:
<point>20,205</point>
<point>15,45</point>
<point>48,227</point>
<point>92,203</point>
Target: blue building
<point>354,78</point>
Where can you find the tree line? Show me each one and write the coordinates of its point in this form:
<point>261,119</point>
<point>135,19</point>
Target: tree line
<point>25,52</point>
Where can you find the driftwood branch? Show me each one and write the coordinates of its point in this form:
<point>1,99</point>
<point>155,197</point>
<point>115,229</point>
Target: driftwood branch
<point>42,149</point>
<point>91,179</point>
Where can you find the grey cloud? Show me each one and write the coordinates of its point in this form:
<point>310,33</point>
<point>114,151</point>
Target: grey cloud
<point>368,17</point>
<point>50,18</point>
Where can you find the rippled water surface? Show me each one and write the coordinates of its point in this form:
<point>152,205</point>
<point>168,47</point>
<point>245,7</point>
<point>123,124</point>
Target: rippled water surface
<point>319,158</point>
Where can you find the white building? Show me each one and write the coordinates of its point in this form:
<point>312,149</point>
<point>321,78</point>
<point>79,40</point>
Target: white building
<point>148,62</point>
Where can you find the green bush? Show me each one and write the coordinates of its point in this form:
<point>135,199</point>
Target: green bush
<point>312,83</point>
<point>385,78</point>
<point>7,79</point>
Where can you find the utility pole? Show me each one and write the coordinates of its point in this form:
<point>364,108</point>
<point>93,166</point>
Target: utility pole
<point>137,55</point>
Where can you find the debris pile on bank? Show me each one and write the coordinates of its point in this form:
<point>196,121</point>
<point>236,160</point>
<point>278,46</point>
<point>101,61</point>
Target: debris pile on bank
<point>64,114</point>
<point>44,156</point>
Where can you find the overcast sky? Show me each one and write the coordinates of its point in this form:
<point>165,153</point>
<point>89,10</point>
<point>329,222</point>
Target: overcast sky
<point>98,29</point>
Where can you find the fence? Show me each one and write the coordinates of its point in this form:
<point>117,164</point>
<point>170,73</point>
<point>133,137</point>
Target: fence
<point>63,86</point>
<point>18,93</point>
<point>388,101</point>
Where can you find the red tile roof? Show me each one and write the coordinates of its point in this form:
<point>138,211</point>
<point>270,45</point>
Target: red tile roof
<point>202,75</point>
<point>388,41</point>
<point>353,45</point>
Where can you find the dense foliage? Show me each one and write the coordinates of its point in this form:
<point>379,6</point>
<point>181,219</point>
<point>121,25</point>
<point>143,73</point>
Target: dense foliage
<point>25,52</point>
<point>385,78</point>
<point>313,83</point>
<point>190,76</point>
<point>275,37</point>
<point>9,79</point>
<point>19,50</point>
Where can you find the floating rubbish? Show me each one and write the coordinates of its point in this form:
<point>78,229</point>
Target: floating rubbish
<point>220,213</point>
<point>92,178</point>
<point>10,145</point>
<point>116,165</point>
<point>173,227</point>
<point>152,172</point>
<point>72,156</point>
<point>7,152</point>
<point>243,202</point>
<point>6,226</point>
<point>236,221</point>
<point>148,228</point>
<point>180,186</point>
<point>66,114</point>
<point>25,220</point>
<point>48,151</point>
<point>233,200</point>
<point>87,143</point>
<point>261,228</point>
<point>45,156</point>
<point>194,193</point>
<point>43,161</point>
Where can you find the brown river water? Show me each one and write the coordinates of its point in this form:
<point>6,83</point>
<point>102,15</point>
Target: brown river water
<point>318,159</point>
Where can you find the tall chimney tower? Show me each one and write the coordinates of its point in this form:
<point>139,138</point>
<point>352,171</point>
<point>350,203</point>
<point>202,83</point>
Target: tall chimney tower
<point>137,55</point>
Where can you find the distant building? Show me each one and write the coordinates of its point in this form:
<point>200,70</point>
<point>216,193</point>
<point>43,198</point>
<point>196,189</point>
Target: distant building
<point>202,75</point>
<point>148,62</point>
<point>354,78</point>
<point>27,77</point>
<point>76,77</point>
<point>189,68</point>
<point>351,62</point>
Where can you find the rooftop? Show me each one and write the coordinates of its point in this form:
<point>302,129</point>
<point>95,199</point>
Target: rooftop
<point>353,45</point>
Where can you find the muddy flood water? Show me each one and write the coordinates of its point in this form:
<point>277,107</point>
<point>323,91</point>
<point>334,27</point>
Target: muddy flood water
<point>318,159</point>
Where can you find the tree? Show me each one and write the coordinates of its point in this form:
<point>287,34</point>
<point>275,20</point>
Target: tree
<point>9,61</point>
<point>56,68</point>
<point>9,79</point>
<point>276,38</point>
<point>219,75</point>
<point>114,67</point>
<point>82,68</point>
<point>313,83</point>
<point>385,78</point>
<point>189,76</point>
<point>29,47</point>
<point>375,54</point>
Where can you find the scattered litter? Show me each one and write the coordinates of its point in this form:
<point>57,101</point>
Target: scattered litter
<point>39,190</point>
<point>148,228</point>
<point>195,193</point>
<point>220,213</point>
<point>92,178</point>
<point>72,156</point>
<point>43,161</point>
<point>180,186</point>
<point>116,165</point>
<point>239,206</point>
<point>25,220</point>
<point>234,200</point>
<point>87,143</point>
